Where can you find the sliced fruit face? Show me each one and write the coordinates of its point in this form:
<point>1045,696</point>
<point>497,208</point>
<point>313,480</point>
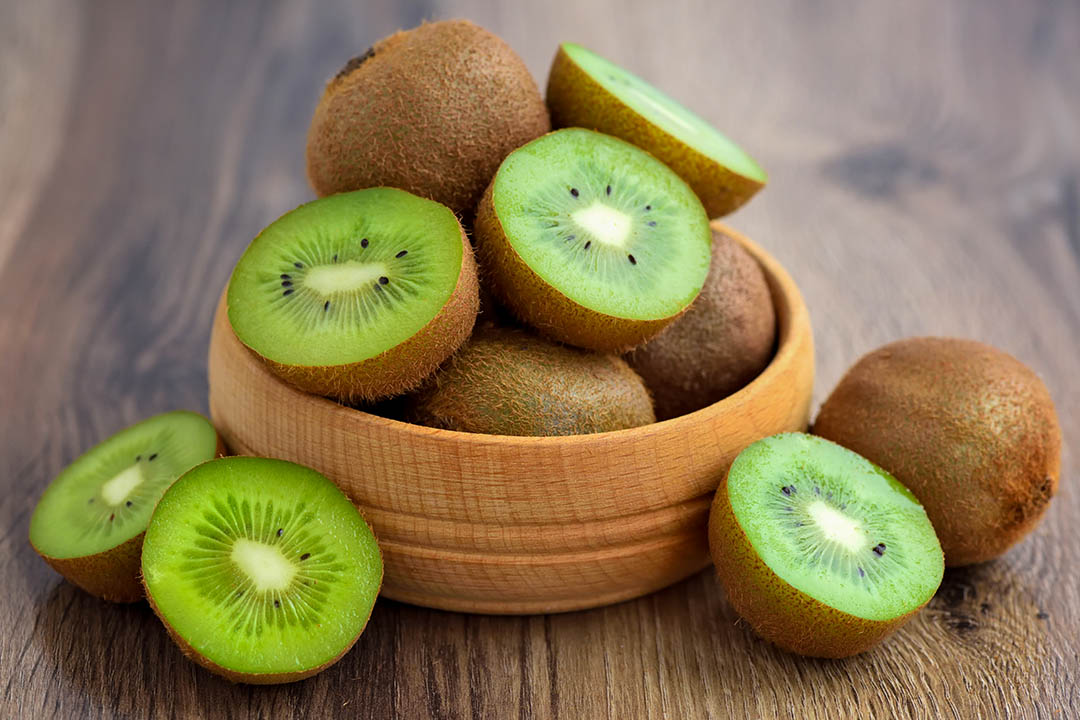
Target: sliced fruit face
<point>664,111</point>
<point>105,498</point>
<point>834,526</point>
<point>261,568</point>
<point>584,231</point>
<point>345,278</point>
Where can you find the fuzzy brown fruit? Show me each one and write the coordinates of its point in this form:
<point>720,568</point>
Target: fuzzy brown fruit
<point>509,382</point>
<point>970,430</point>
<point>720,344</point>
<point>432,110</point>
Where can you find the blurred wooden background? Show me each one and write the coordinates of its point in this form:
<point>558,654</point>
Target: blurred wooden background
<point>925,179</point>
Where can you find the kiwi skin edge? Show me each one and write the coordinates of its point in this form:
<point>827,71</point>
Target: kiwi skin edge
<point>405,366</point>
<point>576,100</point>
<point>777,611</point>
<point>256,678</point>
<point>114,575</point>
<point>540,305</point>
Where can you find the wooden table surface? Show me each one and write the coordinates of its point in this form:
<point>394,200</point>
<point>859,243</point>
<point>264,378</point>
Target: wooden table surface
<point>925,179</point>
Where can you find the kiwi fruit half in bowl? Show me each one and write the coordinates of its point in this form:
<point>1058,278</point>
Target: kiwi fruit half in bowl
<point>586,90</point>
<point>263,571</point>
<point>821,551</point>
<point>509,382</point>
<point>432,110</point>
<point>592,241</point>
<point>358,296</point>
<point>90,522</point>
<point>970,430</point>
<point>720,344</point>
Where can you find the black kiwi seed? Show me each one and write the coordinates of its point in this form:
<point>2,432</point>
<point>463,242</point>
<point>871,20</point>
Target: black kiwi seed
<point>384,280</point>
<point>608,189</point>
<point>286,277</point>
<point>862,573</point>
<point>298,264</point>
<point>364,242</point>
<point>879,549</point>
<point>305,556</point>
<point>335,257</point>
<point>287,292</point>
<point>648,207</point>
<point>788,489</point>
<point>571,238</point>
<point>574,192</point>
<point>652,223</point>
<point>587,244</point>
<point>152,457</point>
<point>277,603</point>
<point>286,283</point>
<point>280,532</point>
<point>128,503</point>
<point>138,458</point>
<point>631,258</point>
<point>402,254</point>
<point>112,517</point>
<point>326,306</point>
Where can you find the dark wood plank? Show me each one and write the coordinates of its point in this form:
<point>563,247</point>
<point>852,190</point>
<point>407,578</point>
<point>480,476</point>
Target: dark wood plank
<point>925,163</point>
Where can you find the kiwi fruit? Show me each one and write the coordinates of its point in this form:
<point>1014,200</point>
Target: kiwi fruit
<point>358,296</point>
<point>822,552</point>
<point>586,90</point>
<point>90,522</point>
<point>510,382</point>
<point>592,241</point>
<point>720,344</point>
<point>432,110</point>
<point>968,429</point>
<point>262,570</point>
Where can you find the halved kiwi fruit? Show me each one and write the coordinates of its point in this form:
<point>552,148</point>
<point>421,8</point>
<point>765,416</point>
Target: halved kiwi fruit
<point>820,550</point>
<point>432,110</point>
<point>358,296</point>
<point>586,90</point>
<point>969,429</point>
<point>89,523</point>
<point>262,570</point>
<point>509,382</point>
<point>720,344</point>
<point>592,241</point>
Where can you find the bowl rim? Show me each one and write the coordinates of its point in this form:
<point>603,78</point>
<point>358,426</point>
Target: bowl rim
<point>783,290</point>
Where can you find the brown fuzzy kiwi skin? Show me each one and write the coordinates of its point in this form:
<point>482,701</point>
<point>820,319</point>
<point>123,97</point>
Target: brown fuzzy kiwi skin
<point>575,99</point>
<point>536,303</point>
<point>432,110</point>
<point>510,382</point>
<point>405,366</point>
<point>115,574</point>
<point>720,344</point>
<point>251,678</point>
<point>970,430</point>
<point>777,611</point>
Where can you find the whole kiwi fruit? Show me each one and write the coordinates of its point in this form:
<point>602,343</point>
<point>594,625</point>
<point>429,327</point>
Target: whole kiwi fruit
<point>432,110</point>
<point>506,381</point>
<point>720,344</point>
<point>970,430</point>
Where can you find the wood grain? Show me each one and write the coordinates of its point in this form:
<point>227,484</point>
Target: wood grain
<point>925,179</point>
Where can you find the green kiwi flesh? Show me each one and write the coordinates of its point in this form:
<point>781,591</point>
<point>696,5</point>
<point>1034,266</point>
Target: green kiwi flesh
<point>592,241</point>
<point>89,523</point>
<point>262,570</point>
<point>432,110</point>
<point>509,382</point>
<point>821,551</point>
<point>358,296</point>
<point>970,430</point>
<point>720,344</point>
<point>587,90</point>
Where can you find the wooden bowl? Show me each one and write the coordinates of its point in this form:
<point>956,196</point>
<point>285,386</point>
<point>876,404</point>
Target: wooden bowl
<point>498,524</point>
